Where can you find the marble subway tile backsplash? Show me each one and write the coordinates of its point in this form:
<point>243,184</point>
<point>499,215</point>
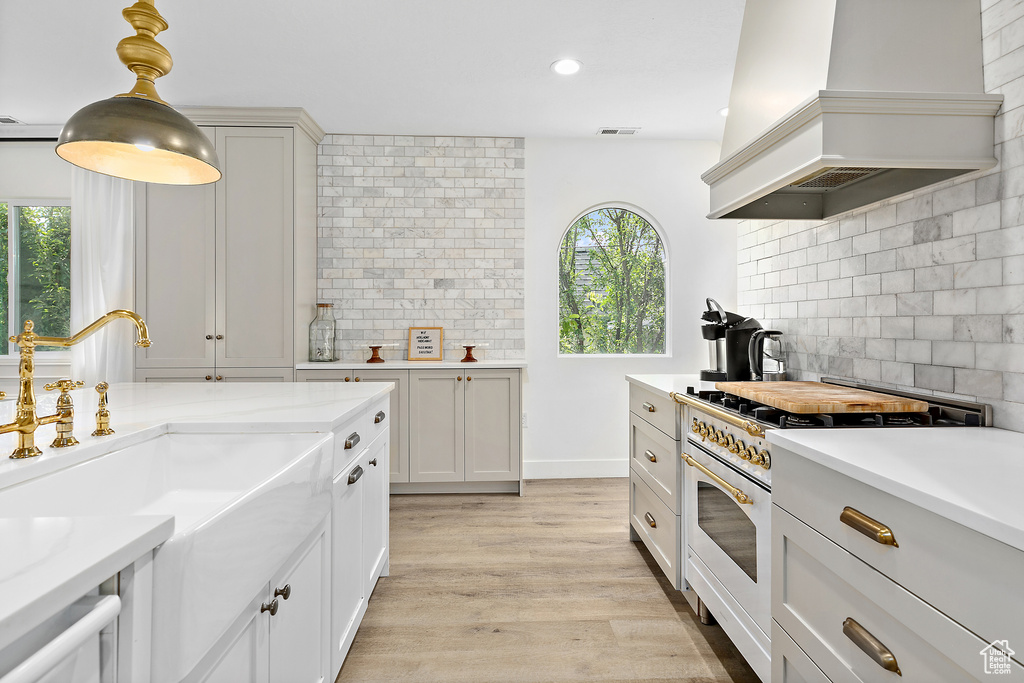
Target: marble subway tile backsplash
<point>924,291</point>
<point>422,231</point>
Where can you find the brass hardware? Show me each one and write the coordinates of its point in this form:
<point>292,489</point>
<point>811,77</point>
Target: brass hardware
<point>650,520</point>
<point>765,460</point>
<point>354,476</point>
<point>737,447</point>
<point>102,414</point>
<point>379,417</point>
<point>285,592</point>
<point>66,409</point>
<point>220,377</point>
<point>459,378</point>
<point>756,459</point>
<point>219,336</point>
<point>272,607</point>
<point>741,498</point>
<point>348,379</point>
<point>357,379</point>
<point>651,456</point>
<point>26,421</point>
<point>694,428</point>
<point>749,453</point>
<point>703,431</point>
<point>351,441</point>
<point>209,336</point>
<point>871,528</point>
<point>209,377</point>
<point>719,437</point>
<point>649,407</point>
<point>751,428</point>
<point>374,462</point>
<point>871,646</point>
<point>468,378</point>
<point>728,443</point>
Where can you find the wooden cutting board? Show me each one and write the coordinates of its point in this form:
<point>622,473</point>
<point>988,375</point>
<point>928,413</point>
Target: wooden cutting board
<point>815,397</point>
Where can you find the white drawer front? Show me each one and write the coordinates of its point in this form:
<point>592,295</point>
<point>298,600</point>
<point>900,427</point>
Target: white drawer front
<point>960,572</point>
<point>661,538</point>
<point>660,411</point>
<point>655,457</point>
<point>790,664</point>
<point>818,586</point>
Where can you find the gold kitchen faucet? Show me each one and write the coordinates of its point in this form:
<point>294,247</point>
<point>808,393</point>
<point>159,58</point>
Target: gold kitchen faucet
<point>26,421</point>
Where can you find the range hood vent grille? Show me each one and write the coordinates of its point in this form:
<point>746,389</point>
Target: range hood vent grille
<point>831,178</point>
<point>9,120</point>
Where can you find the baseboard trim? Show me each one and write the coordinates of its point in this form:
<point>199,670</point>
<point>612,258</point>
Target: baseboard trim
<point>575,469</point>
<point>455,487</point>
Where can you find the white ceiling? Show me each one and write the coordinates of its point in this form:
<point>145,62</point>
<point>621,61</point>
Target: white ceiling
<point>431,67</point>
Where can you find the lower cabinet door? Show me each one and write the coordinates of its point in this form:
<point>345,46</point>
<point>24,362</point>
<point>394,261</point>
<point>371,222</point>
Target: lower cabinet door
<point>298,632</point>
<point>245,659</point>
<point>376,489</point>
<point>347,598</point>
<point>437,425</point>
<point>492,425</point>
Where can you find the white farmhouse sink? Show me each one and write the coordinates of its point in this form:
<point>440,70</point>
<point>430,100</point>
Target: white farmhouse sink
<point>242,503</point>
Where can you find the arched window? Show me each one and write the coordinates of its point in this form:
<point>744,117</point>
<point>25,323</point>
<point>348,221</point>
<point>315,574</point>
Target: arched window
<point>611,285</point>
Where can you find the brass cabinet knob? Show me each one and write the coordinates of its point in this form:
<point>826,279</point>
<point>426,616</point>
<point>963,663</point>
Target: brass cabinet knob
<point>468,378</point>
<point>285,592</point>
<point>348,379</point>
<point>220,336</point>
<point>272,607</point>
<point>357,379</point>
<point>219,377</point>
<point>209,377</point>
<point>209,336</point>
<point>459,378</point>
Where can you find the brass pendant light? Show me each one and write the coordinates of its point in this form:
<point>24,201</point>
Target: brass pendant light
<point>136,135</point>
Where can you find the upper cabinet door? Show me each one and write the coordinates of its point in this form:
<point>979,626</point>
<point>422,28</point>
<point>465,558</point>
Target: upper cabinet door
<point>174,273</point>
<point>492,425</point>
<point>254,247</point>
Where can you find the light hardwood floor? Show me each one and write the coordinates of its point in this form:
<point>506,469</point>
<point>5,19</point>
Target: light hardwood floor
<point>547,587</point>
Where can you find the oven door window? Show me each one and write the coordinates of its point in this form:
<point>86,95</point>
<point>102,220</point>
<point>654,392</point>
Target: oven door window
<point>720,517</point>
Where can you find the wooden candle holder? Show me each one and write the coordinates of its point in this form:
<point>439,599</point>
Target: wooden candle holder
<point>469,353</point>
<point>375,358</point>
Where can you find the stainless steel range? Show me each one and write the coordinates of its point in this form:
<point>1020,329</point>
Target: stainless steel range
<point>727,496</point>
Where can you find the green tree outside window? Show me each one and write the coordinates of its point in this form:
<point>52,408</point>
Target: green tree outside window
<point>611,282</point>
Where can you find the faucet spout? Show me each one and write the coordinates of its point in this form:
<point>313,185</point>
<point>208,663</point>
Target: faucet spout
<point>26,420</point>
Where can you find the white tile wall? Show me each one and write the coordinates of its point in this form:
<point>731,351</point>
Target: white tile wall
<point>422,231</point>
<point>924,291</point>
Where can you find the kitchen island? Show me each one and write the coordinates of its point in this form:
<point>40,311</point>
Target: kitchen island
<point>264,438</point>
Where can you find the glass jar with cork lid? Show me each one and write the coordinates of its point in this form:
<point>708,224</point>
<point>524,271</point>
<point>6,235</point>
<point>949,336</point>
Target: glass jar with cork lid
<point>321,334</point>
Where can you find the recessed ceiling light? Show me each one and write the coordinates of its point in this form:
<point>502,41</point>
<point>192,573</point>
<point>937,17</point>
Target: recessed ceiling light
<point>566,67</point>
<point>724,111</point>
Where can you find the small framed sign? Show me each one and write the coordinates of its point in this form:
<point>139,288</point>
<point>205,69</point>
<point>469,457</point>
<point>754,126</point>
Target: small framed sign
<point>425,343</point>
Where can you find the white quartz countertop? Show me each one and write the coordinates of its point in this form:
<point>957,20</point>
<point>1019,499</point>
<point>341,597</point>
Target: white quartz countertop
<point>49,562</point>
<point>666,384</point>
<point>409,365</point>
<point>971,475</point>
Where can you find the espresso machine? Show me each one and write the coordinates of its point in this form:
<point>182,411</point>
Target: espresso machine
<point>728,335</point>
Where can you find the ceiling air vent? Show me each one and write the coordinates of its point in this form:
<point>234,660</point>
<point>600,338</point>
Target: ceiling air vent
<point>6,120</point>
<point>617,131</point>
<point>834,177</point>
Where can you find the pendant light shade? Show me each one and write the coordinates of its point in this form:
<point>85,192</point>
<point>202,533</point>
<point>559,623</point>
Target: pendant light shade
<point>137,135</point>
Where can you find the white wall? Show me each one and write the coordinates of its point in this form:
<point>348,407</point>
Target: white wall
<point>32,170</point>
<point>577,411</point>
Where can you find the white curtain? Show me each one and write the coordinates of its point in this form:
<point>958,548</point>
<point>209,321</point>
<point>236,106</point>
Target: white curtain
<point>102,275</point>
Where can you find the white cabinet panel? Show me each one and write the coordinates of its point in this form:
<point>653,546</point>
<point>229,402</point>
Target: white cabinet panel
<point>437,403</point>
<point>375,512</point>
<point>299,630</point>
<point>245,659</point>
<point>492,425</point>
<point>347,596</point>
<point>398,417</point>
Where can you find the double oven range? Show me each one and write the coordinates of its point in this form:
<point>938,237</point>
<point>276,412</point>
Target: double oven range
<point>727,499</point>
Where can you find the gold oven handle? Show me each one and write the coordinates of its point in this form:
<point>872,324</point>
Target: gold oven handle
<point>748,426</point>
<point>873,529</point>
<point>741,498</point>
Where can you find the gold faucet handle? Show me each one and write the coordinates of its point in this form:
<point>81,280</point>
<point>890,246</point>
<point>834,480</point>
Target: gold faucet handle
<point>65,385</point>
<point>102,414</point>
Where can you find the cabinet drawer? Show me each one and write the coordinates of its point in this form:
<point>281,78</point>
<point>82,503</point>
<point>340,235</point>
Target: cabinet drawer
<point>655,457</point>
<point>377,418</point>
<point>958,571</point>
<point>662,539</point>
<point>790,664</point>
<point>660,411</point>
<point>351,438</point>
<point>817,587</point>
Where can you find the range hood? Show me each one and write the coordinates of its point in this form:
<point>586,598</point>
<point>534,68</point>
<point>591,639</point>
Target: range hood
<point>837,104</point>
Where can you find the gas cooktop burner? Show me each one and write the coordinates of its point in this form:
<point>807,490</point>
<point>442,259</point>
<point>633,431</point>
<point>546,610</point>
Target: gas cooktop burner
<point>941,411</point>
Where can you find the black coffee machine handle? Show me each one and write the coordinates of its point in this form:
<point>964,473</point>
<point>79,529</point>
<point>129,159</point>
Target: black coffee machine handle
<point>754,352</point>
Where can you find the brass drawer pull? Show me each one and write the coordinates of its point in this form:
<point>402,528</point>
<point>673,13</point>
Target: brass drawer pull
<point>651,456</point>
<point>650,520</point>
<point>649,407</point>
<point>871,528</point>
<point>741,498</point>
<point>351,441</point>
<point>871,646</point>
<point>379,417</point>
<point>354,476</point>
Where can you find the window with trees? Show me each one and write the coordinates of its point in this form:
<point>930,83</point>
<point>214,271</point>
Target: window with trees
<point>611,285</point>
<point>35,268</point>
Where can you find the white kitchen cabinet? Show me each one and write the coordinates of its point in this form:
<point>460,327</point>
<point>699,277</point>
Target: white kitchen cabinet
<point>280,639</point>
<point>348,597</point>
<point>375,512</point>
<point>218,375</point>
<point>399,406</point>
<point>226,273</point>
<point>464,426</point>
